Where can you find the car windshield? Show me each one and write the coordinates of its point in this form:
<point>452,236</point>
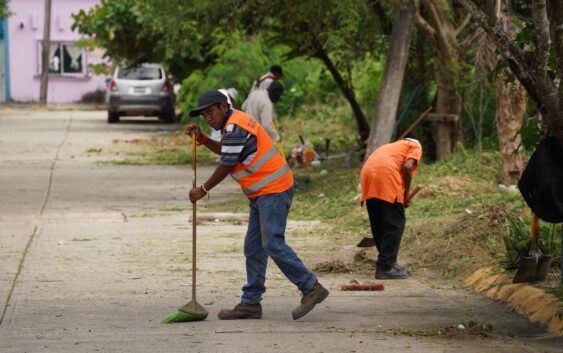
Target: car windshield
<point>139,73</point>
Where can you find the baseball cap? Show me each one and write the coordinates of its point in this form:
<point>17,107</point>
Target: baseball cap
<point>207,99</point>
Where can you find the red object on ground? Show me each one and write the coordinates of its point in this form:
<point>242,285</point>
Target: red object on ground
<point>365,286</point>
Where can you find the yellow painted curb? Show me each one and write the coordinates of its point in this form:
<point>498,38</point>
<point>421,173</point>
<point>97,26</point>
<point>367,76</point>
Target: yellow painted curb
<point>532,302</point>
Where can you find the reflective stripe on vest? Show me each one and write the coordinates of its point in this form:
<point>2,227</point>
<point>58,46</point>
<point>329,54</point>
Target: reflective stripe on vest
<point>268,172</point>
<point>257,165</point>
<point>267,180</point>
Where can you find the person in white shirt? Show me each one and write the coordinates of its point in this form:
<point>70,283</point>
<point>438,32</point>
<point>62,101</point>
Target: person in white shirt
<point>265,80</point>
<point>260,106</point>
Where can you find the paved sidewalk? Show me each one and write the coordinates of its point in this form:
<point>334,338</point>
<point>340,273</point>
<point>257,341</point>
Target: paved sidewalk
<point>94,255</point>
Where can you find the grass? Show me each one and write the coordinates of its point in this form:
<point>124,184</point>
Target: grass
<point>170,149</point>
<point>94,150</point>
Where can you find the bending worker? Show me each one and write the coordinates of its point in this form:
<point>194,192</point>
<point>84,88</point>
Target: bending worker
<point>251,158</point>
<point>386,180</point>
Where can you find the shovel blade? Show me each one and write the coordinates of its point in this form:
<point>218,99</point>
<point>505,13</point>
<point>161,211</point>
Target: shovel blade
<point>366,243</point>
<point>544,262</point>
<point>526,269</point>
<point>533,268</point>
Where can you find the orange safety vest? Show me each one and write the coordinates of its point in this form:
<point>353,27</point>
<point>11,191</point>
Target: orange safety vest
<point>268,173</point>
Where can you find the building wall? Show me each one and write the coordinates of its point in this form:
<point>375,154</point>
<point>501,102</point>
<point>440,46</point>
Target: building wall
<point>25,31</point>
<point>4,73</point>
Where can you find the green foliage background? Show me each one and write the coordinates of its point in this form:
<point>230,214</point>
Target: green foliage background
<point>220,44</point>
<point>311,96</point>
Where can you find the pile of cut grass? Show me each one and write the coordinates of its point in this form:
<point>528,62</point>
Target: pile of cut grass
<point>456,246</point>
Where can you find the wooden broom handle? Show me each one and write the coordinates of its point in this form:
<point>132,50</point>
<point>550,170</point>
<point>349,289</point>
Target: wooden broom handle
<point>535,231</point>
<point>194,215</point>
<point>413,193</point>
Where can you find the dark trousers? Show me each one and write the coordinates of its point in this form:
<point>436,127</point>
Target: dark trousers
<point>387,222</point>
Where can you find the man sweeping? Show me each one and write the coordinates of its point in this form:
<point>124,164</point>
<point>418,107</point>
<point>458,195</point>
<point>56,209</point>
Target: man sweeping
<point>252,159</point>
<point>386,179</point>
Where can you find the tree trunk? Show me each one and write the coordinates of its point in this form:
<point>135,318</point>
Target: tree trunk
<point>390,90</point>
<point>386,26</point>
<point>511,102</point>
<point>555,13</point>
<point>448,102</point>
<point>422,74</point>
<point>445,61</point>
<point>347,91</point>
<point>510,109</point>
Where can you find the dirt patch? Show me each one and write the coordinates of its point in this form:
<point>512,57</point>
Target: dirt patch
<point>454,183</point>
<point>333,266</point>
<point>448,185</point>
<point>530,301</point>
<point>363,262</point>
<point>468,329</point>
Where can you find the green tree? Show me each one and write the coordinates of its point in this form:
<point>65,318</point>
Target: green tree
<point>174,33</point>
<point>535,57</point>
<point>184,35</point>
<point>4,11</point>
<point>337,32</point>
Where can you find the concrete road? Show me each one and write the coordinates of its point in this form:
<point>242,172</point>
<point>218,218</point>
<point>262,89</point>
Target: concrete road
<point>95,254</point>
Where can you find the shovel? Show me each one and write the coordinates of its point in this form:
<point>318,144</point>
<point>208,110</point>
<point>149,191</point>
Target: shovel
<point>368,242</point>
<point>533,268</point>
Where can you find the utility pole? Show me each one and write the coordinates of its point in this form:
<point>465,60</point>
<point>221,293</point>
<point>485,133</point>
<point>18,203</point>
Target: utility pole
<point>45,55</point>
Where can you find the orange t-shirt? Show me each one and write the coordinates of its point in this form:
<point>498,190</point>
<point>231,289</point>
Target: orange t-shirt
<point>382,173</point>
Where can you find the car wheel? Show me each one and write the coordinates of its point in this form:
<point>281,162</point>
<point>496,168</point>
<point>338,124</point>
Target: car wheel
<point>113,117</point>
<point>169,117</point>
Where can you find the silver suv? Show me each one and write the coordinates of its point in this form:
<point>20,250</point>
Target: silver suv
<point>140,90</point>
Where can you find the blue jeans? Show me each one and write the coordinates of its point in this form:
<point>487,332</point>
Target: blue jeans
<point>266,237</point>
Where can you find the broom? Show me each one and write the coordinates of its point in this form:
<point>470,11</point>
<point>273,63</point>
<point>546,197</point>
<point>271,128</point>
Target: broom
<point>192,311</point>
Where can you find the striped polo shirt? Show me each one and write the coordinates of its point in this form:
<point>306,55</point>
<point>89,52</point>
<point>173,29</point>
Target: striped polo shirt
<point>238,145</point>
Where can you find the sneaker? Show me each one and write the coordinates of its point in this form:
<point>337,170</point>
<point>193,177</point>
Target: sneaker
<point>393,273</point>
<point>242,311</point>
<point>313,297</point>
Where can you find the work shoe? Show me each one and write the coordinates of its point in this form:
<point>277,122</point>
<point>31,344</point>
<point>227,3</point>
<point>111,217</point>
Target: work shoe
<point>313,297</point>
<point>392,273</point>
<point>242,311</point>
<point>401,268</point>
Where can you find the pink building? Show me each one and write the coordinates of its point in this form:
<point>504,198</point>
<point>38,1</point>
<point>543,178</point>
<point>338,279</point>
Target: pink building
<point>69,77</point>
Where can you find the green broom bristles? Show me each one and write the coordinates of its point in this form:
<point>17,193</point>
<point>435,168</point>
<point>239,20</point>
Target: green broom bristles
<point>182,316</point>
